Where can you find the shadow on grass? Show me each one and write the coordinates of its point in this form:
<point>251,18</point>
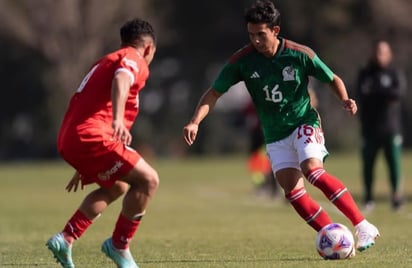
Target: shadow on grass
<point>26,265</point>
<point>286,259</point>
<point>209,261</point>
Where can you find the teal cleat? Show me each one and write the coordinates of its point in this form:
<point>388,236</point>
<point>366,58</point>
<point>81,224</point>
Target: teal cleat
<point>122,258</point>
<point>61,251</point>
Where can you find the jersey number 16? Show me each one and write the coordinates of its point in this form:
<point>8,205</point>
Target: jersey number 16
<point>273,95</point>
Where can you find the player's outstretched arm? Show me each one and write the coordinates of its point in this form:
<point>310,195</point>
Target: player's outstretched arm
<point>206,104</point>
<point>339,88</point>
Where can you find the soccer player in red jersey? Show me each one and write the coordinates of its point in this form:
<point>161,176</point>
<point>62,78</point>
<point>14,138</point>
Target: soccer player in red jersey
<point>95,137</point>
<point>276,73</point>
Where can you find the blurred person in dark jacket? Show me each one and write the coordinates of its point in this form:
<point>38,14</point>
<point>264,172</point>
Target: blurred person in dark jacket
<point>380,89</point>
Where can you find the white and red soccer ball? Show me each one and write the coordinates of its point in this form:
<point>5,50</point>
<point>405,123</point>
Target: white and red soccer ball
<point>335,241</point>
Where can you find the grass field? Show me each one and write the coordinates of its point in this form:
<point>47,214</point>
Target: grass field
<point>204,215</point>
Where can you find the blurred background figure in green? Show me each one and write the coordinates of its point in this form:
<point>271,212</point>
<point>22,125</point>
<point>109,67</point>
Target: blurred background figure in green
<point>380,89</point>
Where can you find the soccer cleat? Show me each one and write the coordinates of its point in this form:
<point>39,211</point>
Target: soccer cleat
<point>122,258</point>
<point>61,251</point>
<point>366,233</point>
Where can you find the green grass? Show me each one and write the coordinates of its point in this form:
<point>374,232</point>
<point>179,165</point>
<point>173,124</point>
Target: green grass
<point>204,215</point>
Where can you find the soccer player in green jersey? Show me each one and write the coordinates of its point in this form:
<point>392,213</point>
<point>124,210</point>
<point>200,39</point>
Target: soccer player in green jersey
<point>276,72</point>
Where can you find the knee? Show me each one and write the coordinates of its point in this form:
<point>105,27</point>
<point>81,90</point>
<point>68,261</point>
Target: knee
<point>148,182</point>
<point>152,181</point>
<point>292,188</point>
<point>310,165</point>
<point>143,178</point>
<point>290,179</point>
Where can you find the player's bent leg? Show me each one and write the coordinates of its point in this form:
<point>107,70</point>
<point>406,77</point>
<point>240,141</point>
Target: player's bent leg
<point>332,188</point>
<point>98,200</point>
<point>61,250</point>
<point>291,180</point>
<point>338,194</point>
<point>143,181</point>
<point>92,206</point>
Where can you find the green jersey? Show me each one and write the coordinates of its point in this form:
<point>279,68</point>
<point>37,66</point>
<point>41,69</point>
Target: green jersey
<point>277,85</point>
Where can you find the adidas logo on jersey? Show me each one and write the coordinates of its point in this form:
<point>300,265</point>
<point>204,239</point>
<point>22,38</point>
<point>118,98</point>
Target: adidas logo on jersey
<point>255,75</point>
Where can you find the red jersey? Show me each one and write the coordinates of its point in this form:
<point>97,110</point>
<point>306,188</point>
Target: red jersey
<point>85,138</point>
<point>91,105</point>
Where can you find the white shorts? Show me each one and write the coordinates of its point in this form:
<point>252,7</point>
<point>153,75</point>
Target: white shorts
<point>305,142</point>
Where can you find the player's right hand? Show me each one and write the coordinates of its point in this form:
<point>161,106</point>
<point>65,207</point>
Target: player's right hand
<point>190,132</point>
<point>121,133</point>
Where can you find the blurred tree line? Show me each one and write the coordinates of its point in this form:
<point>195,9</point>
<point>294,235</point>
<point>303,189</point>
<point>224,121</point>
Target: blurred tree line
<point>48,45</point>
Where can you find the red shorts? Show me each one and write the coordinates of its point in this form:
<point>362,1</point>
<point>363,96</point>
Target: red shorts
<point>97,157</point>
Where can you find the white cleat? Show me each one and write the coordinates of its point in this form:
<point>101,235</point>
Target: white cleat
<point>366,233</point>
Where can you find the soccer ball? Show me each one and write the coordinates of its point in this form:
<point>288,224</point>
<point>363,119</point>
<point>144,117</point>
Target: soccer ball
<point>335,241</point>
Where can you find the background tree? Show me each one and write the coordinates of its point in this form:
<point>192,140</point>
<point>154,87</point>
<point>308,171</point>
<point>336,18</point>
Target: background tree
<point>48,45</point>
<point>63,37</point>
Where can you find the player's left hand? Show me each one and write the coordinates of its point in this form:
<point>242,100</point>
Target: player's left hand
<point>74,183</point>
<point>350,106</point>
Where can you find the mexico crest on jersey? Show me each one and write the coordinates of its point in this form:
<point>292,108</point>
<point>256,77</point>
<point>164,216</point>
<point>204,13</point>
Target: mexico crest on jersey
<point>288,73</point>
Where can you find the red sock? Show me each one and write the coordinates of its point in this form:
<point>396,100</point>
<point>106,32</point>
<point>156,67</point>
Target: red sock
<point>76,226</point>
<point>337,193</point>
<point>308,209</point>
<point>124,231</point>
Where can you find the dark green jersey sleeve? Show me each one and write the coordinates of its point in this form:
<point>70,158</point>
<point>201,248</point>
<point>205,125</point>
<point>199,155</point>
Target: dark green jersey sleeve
<point>319,70</point>
<point>228,76</point>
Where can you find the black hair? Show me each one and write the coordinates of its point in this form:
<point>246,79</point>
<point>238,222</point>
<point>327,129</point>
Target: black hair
<point>263,11</point>
<point>133,31</point>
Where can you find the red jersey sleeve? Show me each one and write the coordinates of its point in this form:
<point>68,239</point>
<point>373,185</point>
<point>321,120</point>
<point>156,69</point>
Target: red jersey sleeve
<point>129,64</point>
<point>136,67</point>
